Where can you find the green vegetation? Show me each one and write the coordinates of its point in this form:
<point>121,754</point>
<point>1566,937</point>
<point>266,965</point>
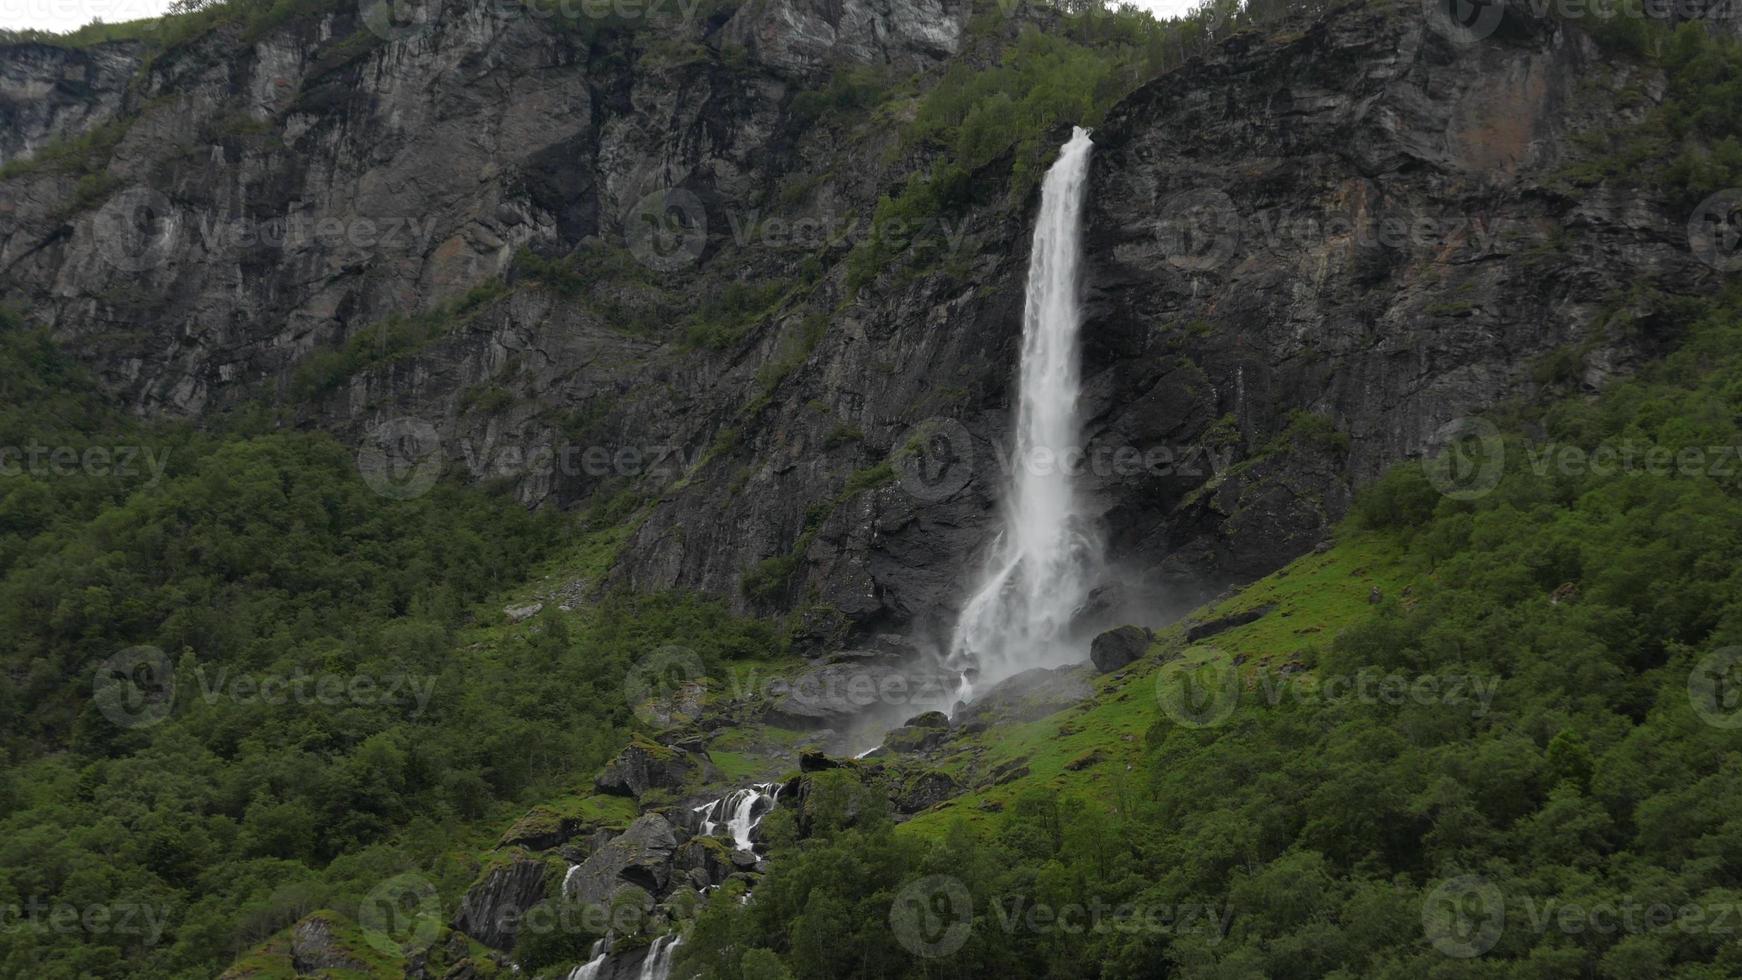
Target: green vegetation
<point>394,338</point>
<point>1308,832</point>
<point>248,558</point>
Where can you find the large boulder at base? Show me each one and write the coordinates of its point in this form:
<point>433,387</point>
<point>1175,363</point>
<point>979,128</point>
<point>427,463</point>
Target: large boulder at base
<point>1118,647</point>
<point>1028,696</point>
<point>645,765</point>
<point>640,856</point>
<point>493,908</point>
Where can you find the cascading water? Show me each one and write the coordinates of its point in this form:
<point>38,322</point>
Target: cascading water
<point>657,964</point>
<point>739,812</point>
<point>1043,563</point>
<point>591,968</point>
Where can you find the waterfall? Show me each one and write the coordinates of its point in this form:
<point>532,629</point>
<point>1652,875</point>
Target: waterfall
<point>1043,562</point>
<point>738,812</point>
<point>591,968</point>
<point>657,964</point>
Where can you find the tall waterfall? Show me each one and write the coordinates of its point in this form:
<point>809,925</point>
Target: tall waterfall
<point>1043,562</point>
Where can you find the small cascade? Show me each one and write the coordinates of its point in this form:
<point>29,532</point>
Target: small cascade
<point>591,968</point>
<point>739,812</point>
<point>657,965</point>
<point>569,879</point>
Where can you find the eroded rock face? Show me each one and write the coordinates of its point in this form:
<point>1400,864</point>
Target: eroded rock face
<point>1028,696</point>
<point>1260,366</point>
<point>49,93</point>
<point>642,766</point>
<point>314,946</point>
<point>492,910</point>
<point>640,857</point>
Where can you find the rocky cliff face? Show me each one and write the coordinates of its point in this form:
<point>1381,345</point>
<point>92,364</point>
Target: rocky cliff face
<point>487,229</point>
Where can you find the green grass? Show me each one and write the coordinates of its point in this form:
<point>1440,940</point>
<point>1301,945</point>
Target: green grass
<point>1313,597</point>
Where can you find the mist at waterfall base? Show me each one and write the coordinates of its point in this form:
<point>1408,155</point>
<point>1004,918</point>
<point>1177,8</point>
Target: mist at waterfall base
<point>1046,559</point>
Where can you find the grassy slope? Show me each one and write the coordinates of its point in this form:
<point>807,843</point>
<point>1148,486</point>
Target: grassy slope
<point>1086,750</point>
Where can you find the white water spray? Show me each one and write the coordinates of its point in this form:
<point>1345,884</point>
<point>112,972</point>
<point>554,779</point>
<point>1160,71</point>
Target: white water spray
<point>657,964</point>
<point>1042,565</point>
<point>739,812</point>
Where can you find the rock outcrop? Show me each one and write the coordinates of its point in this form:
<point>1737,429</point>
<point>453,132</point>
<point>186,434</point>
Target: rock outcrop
<point>1118,647</point>
<point>1306,254</point>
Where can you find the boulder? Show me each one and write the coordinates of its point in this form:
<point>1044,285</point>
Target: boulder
<point>922,790</point>
<point>492,909</point>
<point>832,695</point>
<point>315,946</point>
<point>1118,647</point>
<point>1028,696</point>
<point>645,765</point>
<point>641,856</point>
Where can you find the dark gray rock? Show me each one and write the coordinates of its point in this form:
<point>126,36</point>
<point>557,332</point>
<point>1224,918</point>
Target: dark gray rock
<point>1118,647</point>
<point>644,765</point>
<point>1028,696</point>
<point>492,909</point>
<point>642,856</point>
<point>1209,628</point>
